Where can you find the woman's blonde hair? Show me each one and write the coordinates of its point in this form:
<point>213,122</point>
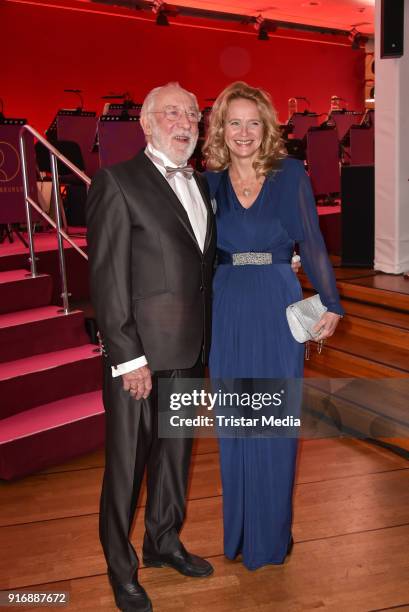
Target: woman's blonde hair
<point>272,149</point>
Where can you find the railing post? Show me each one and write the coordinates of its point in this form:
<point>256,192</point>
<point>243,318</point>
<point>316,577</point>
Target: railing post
<point>26,190</point>
<point>54,154</point>
<point>56,199</point>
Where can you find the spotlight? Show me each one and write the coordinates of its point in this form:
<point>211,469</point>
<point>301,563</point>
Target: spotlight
<point>357,39</point>
<point>260,25</point>
<point>262,34</point>
<point>161,19</point>
<point>158,7</point>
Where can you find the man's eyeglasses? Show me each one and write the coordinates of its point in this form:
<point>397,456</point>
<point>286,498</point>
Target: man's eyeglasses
<point>173,113</point>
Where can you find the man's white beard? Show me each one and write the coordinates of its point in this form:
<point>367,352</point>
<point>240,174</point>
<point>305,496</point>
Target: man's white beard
<point>159,144</point>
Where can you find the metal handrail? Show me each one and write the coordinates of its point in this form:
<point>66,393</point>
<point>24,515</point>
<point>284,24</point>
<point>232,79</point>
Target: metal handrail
<point>61,234</point>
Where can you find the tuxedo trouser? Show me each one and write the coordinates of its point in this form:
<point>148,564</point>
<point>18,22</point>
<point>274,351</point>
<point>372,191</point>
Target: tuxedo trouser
<point>131,444</point>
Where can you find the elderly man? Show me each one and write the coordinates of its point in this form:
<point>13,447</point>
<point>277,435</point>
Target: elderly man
<point>151,243</point>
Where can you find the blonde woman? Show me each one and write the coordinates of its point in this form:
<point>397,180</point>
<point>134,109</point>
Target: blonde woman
<point>264,206</point>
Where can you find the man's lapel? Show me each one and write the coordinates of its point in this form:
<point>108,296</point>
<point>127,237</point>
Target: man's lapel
<point>170,196</point>
<point>209,208</point>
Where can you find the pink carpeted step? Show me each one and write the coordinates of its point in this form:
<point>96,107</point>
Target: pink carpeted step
<point>20,291</point>
<point>39,330</point>
<point>44,378</point>
<point>15,256</point>
<point>50,434</point>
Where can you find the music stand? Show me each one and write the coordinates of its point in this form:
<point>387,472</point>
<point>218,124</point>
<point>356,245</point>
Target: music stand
<point>323,162</point>
<point>119,137</point>
<point>362,145</point>
<point>79,126</point>
<point>301,123</point>
<point>12,202</point>
<point>127,108</point>
<point>343,120</point>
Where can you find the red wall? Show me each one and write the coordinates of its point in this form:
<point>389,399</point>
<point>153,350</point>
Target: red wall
<point>48,49</point>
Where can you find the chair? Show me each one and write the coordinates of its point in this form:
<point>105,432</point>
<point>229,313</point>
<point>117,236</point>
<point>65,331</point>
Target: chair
<point>73,192</point>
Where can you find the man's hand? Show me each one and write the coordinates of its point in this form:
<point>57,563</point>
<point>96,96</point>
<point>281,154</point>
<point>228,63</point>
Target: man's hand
<point>138,382</point>
<point>295,263</point>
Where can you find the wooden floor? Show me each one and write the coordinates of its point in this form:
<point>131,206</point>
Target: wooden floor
<point>351,531</point>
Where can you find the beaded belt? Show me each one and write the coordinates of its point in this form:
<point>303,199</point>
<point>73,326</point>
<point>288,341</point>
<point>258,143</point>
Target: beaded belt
<point>254,259</point>
<point>248,259</point>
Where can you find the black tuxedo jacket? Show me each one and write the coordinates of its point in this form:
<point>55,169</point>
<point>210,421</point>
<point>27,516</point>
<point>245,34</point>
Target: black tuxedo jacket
<point>150,282</point>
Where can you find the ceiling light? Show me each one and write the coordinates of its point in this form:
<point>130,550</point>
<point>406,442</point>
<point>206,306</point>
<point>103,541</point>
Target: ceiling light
<point>158,7</point>
<point>161,19</point>
<point>356,39</point>
<point>260,25</point>
<point>262,34</point>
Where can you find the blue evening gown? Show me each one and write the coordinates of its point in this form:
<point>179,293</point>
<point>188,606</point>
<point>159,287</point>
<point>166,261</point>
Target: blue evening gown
<point>251,339</point>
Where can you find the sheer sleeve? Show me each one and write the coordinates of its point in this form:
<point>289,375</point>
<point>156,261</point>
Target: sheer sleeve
<point>314,256</point>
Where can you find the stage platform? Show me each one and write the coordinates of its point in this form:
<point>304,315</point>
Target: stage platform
<point>15,255</point>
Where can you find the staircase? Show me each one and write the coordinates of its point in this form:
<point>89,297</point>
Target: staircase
<point>371,344</point>
<point>372,341</point>
<point>50,379</point>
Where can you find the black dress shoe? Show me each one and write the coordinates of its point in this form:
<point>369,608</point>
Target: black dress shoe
<point>183,562</point>
<point>130,596</point>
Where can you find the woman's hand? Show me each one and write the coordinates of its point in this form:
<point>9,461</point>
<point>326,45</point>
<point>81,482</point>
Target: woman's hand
<point>326,326</point>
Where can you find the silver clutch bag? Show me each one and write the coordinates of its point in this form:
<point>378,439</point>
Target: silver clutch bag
<point>302,316</point>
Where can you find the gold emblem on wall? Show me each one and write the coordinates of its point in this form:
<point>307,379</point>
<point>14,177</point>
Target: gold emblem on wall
<point>9,162</point>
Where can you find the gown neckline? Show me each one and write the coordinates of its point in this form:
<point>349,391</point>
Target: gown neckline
<point>236,199</point>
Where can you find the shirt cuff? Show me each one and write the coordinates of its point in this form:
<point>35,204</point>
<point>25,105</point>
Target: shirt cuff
<point>128,366</point>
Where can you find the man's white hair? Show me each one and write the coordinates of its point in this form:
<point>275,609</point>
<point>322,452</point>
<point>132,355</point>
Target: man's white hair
<point>149,102</point>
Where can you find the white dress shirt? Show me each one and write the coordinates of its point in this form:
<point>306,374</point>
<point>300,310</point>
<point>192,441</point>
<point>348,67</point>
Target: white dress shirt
<point>189,195</point>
